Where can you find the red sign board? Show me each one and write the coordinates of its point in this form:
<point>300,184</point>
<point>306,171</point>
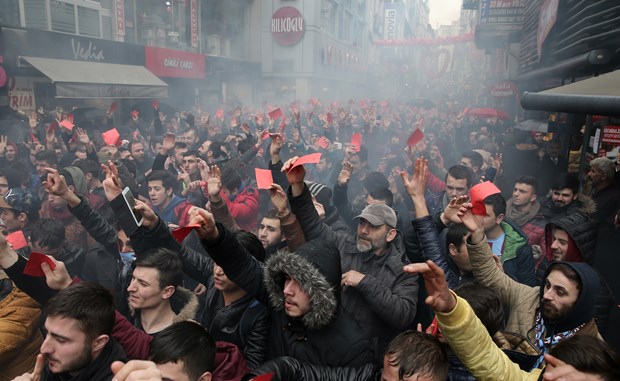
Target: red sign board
<point>503,89</point>
<point>174,63</point>
<point>611,135</point>
<point>287,26</point>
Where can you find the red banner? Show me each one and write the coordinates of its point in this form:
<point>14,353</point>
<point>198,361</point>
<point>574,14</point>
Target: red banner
<point>194,22</point>
<point>611,135</point>
<point>120,17</point>
<point>174,63</point>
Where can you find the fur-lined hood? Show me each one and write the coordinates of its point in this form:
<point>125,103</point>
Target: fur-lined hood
<point>316,266</point>
<point>183,302</point>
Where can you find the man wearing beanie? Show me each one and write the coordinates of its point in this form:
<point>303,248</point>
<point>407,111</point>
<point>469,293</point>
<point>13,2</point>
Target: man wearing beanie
<point>322,194</point>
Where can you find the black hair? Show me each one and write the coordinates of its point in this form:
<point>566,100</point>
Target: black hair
<point>167,179</point>
<point>167,264</point>
<point>185,341</point>
<point>566,180</point>
<point>497,202</point>
<point>252,244</point>
<point>180,145</point>
<point>362,154</point>
<point>88,303</point>
<point>475,158</point>
<point>48,232</point>
<point>418,353</point>
<point>486,305</point>
<point>271,214</point>
<point>48,156</point>
<point>461,172</point>
<point>231,179</point>
<point>568,272</point>
<point>133,143</point>
<point>192,152</point>
<point>456,235</point>
<point>589,355</point>
<point>529,180</point>
<point>88,166</point>
<point>383,194</point>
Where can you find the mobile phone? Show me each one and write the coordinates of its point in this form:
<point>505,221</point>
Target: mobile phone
<point>131,204</point>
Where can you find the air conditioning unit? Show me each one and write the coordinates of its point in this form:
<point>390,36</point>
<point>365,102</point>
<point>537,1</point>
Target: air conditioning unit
<point>213,45</point>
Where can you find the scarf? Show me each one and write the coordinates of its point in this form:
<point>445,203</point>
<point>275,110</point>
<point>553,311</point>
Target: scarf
<point>545,343</point>
<point>521,218</point>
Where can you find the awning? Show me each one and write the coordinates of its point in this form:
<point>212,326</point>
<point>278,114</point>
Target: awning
<point>77,79</point>
<point>595,96</point>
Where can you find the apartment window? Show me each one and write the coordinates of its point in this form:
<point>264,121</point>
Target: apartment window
<point>88,19</point>
<point>62,16</point>
<point>35,14</point>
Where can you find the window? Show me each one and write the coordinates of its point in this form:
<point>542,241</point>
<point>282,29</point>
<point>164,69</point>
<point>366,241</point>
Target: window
<point>35,12</point>
<point>62,16</point>
<point>88,19</point>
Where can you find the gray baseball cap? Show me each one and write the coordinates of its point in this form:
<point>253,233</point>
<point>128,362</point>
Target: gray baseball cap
<point>379,214</point>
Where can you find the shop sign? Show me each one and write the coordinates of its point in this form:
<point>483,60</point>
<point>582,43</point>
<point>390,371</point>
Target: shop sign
<point>502,11</point>
<point>503,89</point>
<point>21,93</point>
<point>174,63</point>
<point>287,26</point>
<point>194,22</point>
<point>471,4</point>
<point>611,135</point>
<point>35,43</point>
<point>546,21</point>
<point>389,29</point>
<point>120,17</point>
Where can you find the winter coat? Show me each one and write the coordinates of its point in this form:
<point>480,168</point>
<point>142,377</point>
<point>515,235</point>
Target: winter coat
<point>20,338</point>
<point>183,302</point>
<point>582,204</point>
<point>176,212</point>
<point>517,259</point>
<point>244,208</point>
<point>523,301</point>
<point>607,203</point>
<point>291,369</point>
<point>243,323</point>
<point>385,301</point>
<point>325,334</point>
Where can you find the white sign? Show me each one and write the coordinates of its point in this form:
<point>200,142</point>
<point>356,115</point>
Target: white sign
<point>21,93</point>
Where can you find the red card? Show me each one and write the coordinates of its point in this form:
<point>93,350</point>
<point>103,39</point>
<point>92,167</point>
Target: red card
<point>135,114</point>
<point>275,114</point>
<point>112,137</point>
<point>67,124</point>
<point>112,108</point>
<point>264,135</point>
<point>264,377</point>
<point>219,113</point>
<point>156,104</point>
<point>329,118</point>
<point>33,266</point>
<point>264,178</point>
<point>323,142</point>
<point>477,195</point>
<point>180,233</point>
<point>313,158</point>
<point>415,137</point>
<point>17,240</point>
<point>356,140</point>
<point>135,135</point>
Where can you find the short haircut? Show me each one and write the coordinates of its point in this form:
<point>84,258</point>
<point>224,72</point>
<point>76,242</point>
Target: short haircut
<point>604,165</point>
<point>192,152</point>
<point>88,303</point>
<point>231,179</point>
<point>497,202</point>
<point>88,166</point>
<point>271,214</point>
<point>529,180</point>
<point>383,194</point>
<point>362,154</point>
<point>252,244</point>
<point>460,172</point>
<point>48,232</point>
<point>589,355</point>
<point>456,235</point>
<point>167,264</point>
<point>568,272</point>
<point>167,179</point>
<point>48,156</point>
<point>185,341</point>
<point>133,143</point>
<point>566,180</point>
<point>475,158</point>
<point>180,145</point>
<point>418,352</point>
<point>485,303</point>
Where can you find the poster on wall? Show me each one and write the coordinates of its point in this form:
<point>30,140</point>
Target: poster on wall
<point>21,93</point>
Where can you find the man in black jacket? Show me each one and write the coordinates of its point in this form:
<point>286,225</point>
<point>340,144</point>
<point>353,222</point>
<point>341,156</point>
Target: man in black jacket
<point>410,356</point>
<point>302,290</point>
<point>381,297</point>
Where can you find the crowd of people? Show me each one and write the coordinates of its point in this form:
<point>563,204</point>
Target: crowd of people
<point>373,263</point>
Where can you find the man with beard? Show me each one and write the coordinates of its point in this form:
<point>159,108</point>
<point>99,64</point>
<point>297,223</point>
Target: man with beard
<point>78,345</point>
<point>381,297</point>
<point>565,199</point>
<point>562,306</point>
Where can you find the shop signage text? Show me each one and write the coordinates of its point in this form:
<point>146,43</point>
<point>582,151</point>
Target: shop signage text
<point>174,63</point>
<point>287,26</point>
<point>503,89</point>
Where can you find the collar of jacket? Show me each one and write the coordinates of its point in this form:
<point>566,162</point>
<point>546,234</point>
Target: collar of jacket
<point>513,241</point>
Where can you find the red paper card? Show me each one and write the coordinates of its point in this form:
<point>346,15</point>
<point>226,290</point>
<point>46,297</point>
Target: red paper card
<point>415,137</point>
<point>264,377</point>
<point>477,195</point>
<point>67,124</point>
<point>33,266</point>
<point>112,137</point>
<point>135,135</point>
<point>264,135</point>
<point>275,114</point>
<point>329,117</point>
<point>135,114</point>
<point>323,142</point>
<point>356,141</point>
<point>313,158</point>
<point>156,104</point>
<point>180,233</point>
<point>264,178</point>
<point>112,108</point>
<point>17,240</point>
<point>219,113</point>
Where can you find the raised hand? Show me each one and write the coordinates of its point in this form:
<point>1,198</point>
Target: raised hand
<point>183,176</point>
<point>3,142</point>
<point>345,173</point>
<point>471,221</point>
<point>208,229</point>
<point>36,373</point>
<point>439,298</point>
<point>278,198</point>
<point>150,218</point>
<point>136,370</point>
<point>295,175</point>
<point>416,184</point>
<point>82,136</point>
<point>449,214</point>
<point>205,171</point>
<point>167,144</point>
<point>58,278</point>
<point>215,183</point>
<point>112,183</point>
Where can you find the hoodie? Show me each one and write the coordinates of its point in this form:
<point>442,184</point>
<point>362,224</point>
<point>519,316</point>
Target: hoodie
<point>176,212</point>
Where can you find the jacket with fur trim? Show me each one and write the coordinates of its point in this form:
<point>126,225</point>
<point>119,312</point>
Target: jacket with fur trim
<point>324,335</point>
<point>582,204</point>
<point>183,302</point>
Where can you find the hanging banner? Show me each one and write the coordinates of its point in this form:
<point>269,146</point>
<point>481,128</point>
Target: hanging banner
<point>546,21</point>
<point>194,22</point>
<point>611,135</point>
<point>120,17</point>
<point>389,25</point>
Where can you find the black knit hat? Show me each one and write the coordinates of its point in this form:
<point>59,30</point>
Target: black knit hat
<point>322,193</point>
